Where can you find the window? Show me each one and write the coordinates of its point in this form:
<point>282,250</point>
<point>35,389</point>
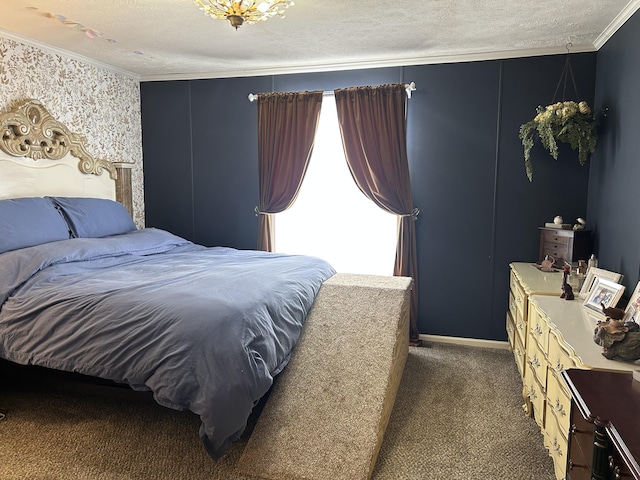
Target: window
<point>331,218</point>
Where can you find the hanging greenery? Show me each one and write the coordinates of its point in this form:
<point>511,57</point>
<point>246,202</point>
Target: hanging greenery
<point>567,122</point>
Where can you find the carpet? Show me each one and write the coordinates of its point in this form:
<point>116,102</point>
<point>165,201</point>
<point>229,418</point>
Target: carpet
<point>327,413</point>
<point>457,416</point>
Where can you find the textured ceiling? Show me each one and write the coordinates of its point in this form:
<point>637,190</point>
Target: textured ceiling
<point>172,39</point>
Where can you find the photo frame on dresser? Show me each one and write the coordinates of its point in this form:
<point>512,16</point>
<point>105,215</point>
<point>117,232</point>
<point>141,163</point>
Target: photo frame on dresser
<point>632,311</point>
<point>591,276</point>
<point>603,292</point>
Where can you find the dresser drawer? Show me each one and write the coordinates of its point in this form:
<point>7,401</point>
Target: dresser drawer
<point>538,328</point>
<point>578,465</point>
<point>581,437</point>
<point>520,299</point>
<point>557,446</point>
<point>512,304</point>
<point>559,358</point>
<point>521,332</point>
<point>559,251</point>
<point>537,363</point>
<point>557,236</point>
<point>519,355</point>
<point>521,329</point>
<point>513,280</point>
<point>536,394</point>
<point>510,330</point>
<point>558,403</point>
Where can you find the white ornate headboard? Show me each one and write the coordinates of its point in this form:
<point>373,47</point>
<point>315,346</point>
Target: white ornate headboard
<point>39,156</point>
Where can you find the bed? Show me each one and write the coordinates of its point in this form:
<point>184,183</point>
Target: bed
<point>205,329</point>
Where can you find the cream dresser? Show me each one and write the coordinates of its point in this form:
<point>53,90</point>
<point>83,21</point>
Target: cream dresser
<point>525,280</point>
<point>559,335</point>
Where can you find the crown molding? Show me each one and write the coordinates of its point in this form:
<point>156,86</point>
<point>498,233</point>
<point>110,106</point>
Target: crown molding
<point>391,62</point>
<point>616,23</point>
<point>65,53</point>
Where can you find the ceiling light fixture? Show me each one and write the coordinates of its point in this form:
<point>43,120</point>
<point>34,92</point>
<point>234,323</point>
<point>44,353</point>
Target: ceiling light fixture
<point>239,12</point>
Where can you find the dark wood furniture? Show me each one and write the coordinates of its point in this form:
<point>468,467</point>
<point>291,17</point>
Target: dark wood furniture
<point>604,437</point>
<point>565,245</point>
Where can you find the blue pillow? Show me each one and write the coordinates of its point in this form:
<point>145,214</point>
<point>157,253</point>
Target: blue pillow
<point>30,221</point>
<point>94,217</point>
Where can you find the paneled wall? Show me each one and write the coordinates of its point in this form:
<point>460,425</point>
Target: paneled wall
<point>614,184</point>
<point>478,210</point>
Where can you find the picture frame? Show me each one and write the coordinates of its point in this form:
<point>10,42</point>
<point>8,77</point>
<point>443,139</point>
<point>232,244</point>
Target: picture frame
<point>594,273</point>
<point>605,292</point>
<point>632,310</point>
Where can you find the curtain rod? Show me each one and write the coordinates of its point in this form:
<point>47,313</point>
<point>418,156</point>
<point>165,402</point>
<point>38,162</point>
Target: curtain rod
<point>411,87</point>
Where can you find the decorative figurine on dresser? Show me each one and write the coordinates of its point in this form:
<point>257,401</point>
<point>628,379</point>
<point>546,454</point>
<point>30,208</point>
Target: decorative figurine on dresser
<point>619,333</point>
<point>567,289</point>
<point>565,242</point>
<point>619,340</point>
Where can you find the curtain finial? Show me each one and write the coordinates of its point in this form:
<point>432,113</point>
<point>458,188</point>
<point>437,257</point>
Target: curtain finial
<point>411,87</point>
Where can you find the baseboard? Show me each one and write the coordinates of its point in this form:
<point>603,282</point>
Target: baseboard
<point>470,342</point>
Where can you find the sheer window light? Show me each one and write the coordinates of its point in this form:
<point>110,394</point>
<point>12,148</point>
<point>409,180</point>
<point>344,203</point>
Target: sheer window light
<point>331,218</point>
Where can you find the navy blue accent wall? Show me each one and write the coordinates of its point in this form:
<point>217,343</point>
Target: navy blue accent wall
<point>166,138</point>
<point>559,187</point>
<point>614,184</point>
<point>200,151</point>
<point>225,152</point>
<point>328,81</point>
<point>452,120</point>
<point>478,210</point>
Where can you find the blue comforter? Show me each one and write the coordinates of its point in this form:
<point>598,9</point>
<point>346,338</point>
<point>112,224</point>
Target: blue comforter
<point>205,329</point>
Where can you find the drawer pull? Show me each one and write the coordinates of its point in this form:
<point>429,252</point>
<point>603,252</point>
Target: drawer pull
<point>559,408</point>
<point>573,430</point>
<point>556,448</point>
<point>537,330</point>
<point>572,465</point>
<point>534,362</point>
<point>559,366</point>
<point>615,469</point>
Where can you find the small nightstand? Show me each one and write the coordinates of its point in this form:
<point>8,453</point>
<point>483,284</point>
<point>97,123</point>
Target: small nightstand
<point>565,245</point>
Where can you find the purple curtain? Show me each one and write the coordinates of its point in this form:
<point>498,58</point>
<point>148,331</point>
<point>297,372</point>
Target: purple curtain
<point>374,135</point>
<point>287,125</point>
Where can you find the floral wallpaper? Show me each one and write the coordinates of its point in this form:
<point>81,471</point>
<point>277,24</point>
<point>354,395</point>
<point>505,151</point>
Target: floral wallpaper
<point>101,105</point>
